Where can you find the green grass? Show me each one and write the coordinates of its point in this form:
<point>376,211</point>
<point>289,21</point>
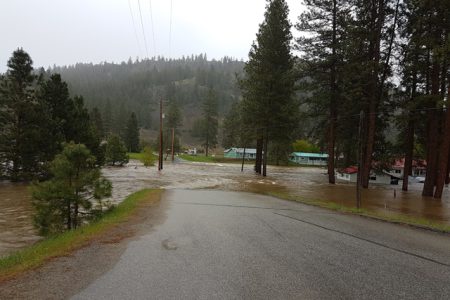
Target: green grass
<point>221,159</point>
<point>63,244</point>
<point>137,156</point>
<point>147,157</point>
<point>390,217</point>
<point>209,159</point>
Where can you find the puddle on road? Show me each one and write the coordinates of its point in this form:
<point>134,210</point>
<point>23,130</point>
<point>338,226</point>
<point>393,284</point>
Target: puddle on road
<point>16,228</point>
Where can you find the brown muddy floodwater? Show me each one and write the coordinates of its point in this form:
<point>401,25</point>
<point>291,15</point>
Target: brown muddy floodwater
<point>16,229</point>
<point>16,224</point>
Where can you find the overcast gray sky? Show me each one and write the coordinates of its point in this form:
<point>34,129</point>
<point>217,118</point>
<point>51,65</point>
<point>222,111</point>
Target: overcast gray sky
<point>64,32</point>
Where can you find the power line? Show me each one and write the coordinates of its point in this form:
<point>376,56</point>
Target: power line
<point>134,27</point>
<point>170,28</point>
<point>417,110</point>
<point>153,27</point>
<point>337,119</point>
<point>142,26</point>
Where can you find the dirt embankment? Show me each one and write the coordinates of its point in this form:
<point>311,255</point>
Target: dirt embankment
<point>64,276</point>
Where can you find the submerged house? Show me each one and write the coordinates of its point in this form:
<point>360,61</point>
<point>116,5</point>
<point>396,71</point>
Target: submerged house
<point>191,151</point>
<point>350,174</point>
<point>250,153</point>
<point>419,168</point>
<point>310,159</point>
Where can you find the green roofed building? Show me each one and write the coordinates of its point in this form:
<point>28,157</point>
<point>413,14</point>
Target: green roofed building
<point>310,159</point>
<point>250,153</point>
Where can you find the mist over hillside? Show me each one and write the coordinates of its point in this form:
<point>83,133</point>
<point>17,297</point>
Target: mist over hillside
<point>137,86</point>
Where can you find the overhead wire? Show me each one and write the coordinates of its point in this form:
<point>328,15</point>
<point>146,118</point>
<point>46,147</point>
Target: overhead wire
<point>338,119</point>
<point>170,28</point>
<point>153,27</point>
<point>134,27</point>
<point>142,26</point>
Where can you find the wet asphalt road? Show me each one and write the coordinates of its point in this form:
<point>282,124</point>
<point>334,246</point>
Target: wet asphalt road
<point>228,245</point>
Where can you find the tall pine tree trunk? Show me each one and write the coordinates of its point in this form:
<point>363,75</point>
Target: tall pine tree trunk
<point>377,17</point>
<point>447,177</point>
<point>277,156</point>
<point>432,133</point>
<point>432,152</point>
<point>370,141</point>
<point>442,172</point>
<point>259,151</point>
<point>69,216</point>
<point>409,146</point>
<point>16,155</point>
<point>333,103</point>
<point>243,160</point>
<point>409,143</point>
<point>207,142</point>
<point>331,146</point>
<point>75,215</point>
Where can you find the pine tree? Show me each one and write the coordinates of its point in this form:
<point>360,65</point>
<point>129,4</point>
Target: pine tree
<point>425,63</point>
<point>373,29</point>
<point>116,152</point>
<point>413,56</point>
<point>232,127</point>
<point>436,40</point>
<point>325,23</point>
<point>75,185</point>
<point>54,93</point>
<point>20,119</point>
<point>173,117</point>
<point>97,121</point>
<point>268,84</point>
<point>107,118</point>
<point>120,119</point>
<point>210,121</point>
<point>132,134</point>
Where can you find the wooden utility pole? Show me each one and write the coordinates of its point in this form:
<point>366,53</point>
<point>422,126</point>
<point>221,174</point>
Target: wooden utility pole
<point>359,178</point>
<point>160,160</point>
<point>243,160</point>
<point>264,159</point>
<point>173,140</point>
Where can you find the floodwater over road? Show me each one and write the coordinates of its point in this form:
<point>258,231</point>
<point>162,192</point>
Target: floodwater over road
<point>308,183</point>
<point>16,228</point>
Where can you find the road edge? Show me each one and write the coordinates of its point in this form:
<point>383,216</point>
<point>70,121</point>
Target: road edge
<point>66,243</point>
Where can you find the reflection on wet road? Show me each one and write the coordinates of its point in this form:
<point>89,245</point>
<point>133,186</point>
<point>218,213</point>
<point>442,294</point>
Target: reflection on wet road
<point>232,245</point>
<point>15,209</point>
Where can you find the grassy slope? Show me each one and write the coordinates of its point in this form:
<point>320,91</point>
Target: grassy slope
<point>137,156</point>
<point>62,244</point>
<point>394,218</point>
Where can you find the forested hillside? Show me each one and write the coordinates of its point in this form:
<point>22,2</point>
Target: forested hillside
<point>137,86</point>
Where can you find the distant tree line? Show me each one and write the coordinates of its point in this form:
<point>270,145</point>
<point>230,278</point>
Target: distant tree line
<point>138,85</point>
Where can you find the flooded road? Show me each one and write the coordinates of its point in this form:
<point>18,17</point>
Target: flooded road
<point>308,183</point>
<point>16,229</point>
